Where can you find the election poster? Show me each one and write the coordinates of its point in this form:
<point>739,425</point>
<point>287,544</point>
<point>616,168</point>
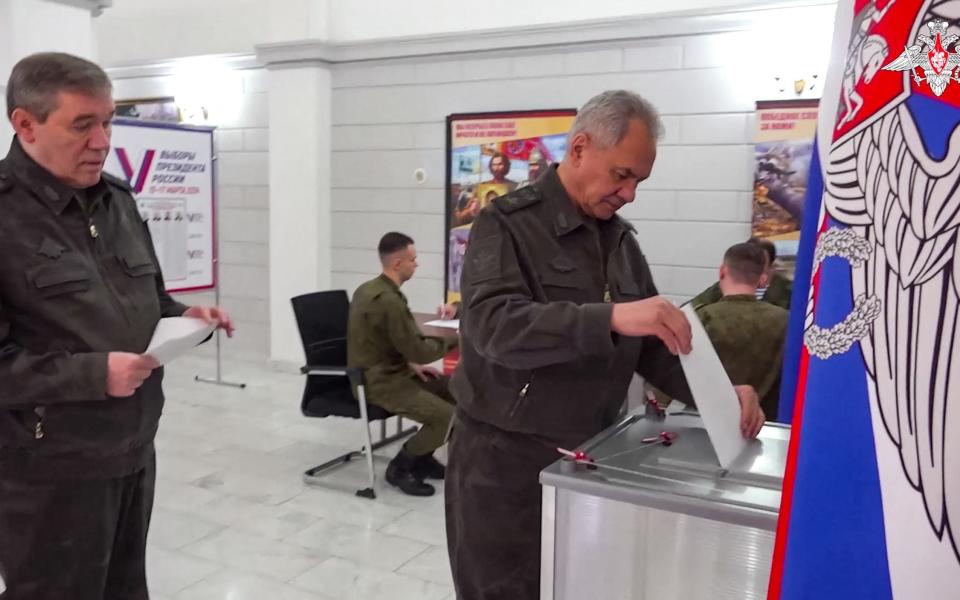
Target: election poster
<point>170,170</point>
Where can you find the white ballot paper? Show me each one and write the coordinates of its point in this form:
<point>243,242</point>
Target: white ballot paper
<point>446,324</point>
<point>714,394</point>
<point>176,336</point>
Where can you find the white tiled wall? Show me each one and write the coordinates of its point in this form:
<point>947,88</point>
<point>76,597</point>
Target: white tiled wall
<point>389,120</point>
<point>242,209</point>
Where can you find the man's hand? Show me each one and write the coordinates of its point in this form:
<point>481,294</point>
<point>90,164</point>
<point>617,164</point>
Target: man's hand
<point>653,316</point>
<point>425,372</point>
<point>448,311</point>
<point>126,372</point>
<point>213,315</point>
<point>751,415</point>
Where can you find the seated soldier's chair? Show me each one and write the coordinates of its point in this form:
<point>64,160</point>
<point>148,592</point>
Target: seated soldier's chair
<point>322,321</point>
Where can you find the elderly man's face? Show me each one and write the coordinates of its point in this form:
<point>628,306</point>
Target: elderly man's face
<point>608,177</point>
<point>72,144</point>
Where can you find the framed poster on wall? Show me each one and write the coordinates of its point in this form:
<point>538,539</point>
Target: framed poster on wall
<point>489,155</point>
<point>784,148</point>
<point>150,109</point>
<point>170,170</point>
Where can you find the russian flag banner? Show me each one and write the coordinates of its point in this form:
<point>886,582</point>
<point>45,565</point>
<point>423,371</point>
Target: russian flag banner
<point>870,498</point>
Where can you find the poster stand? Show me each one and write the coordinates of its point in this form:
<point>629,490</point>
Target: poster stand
<point>172,170</point>
<point>218,380</point>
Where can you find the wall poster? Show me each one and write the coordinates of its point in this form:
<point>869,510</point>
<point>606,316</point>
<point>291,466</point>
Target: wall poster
<point>150,109</point>
<point>784,147</point>
<point>170,169</point>
<point>489,155</point>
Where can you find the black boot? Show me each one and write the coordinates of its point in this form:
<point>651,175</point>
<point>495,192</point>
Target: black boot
<point>400,473</point>
<point>429,467</point>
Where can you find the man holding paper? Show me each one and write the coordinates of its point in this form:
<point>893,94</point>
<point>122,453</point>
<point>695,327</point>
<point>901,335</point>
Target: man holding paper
<point>559,310</point>
<point>80,297</point>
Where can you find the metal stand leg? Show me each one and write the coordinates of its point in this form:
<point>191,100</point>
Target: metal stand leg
<point>219,379</point>
<point>368,447</point>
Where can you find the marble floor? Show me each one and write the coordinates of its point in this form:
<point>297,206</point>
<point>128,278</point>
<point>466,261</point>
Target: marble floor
<point>233,519</point>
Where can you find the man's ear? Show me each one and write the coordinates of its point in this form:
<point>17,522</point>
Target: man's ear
<point>577,145</point>
<point>723,272</point>
<point>24,124</point>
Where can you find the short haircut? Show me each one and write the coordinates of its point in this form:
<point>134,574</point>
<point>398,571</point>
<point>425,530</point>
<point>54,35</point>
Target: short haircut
<point>767,246</point>
<point>392,243</point>
<point>745,263</point>
<point>606,117</point>
<point>37,80</point>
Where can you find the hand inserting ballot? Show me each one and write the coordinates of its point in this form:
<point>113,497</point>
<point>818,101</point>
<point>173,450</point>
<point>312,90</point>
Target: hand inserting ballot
<point>653,316</point>
<point>752,417</point>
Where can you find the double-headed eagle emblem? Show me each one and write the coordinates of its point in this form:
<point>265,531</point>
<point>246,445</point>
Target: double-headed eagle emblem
<point>931,56</point>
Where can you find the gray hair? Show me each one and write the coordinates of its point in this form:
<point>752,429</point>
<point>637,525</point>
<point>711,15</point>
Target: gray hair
<point>37,80</point>
<point>606,117</point>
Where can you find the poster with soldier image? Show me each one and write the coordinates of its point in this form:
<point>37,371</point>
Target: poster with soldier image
<point>489,155</point>
<point>784,147</point>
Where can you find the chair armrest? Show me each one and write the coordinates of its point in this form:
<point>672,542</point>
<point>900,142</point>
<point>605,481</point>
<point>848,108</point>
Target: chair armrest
<point>354,373</point>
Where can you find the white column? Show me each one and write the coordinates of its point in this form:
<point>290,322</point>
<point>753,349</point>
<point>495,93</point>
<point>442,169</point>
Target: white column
<point>300,234</point>
<point>29,26</point>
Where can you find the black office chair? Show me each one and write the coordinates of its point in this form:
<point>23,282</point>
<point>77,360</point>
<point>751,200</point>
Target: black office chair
<point>329,391</point>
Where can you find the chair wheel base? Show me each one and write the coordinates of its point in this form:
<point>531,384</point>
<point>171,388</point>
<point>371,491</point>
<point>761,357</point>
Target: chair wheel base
<point>367,493</point>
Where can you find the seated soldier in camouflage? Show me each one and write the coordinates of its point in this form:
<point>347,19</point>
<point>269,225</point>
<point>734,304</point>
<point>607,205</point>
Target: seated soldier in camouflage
<point>384,340</point>
<point>747,334</point>
<point>774,288</point>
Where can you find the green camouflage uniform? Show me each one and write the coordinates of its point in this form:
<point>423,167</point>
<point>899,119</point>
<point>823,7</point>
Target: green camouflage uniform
<point>748,336</point>
<point>778,293</point>
<point>383,338</point>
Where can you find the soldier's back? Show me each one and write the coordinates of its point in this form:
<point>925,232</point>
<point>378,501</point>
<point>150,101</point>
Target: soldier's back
<point>366,333</point>
<point>748,336</point>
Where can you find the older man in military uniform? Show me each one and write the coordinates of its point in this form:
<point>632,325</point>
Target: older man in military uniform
<point>80,296</point>
<point>773,287</point>
<point>384,340</point>
<point>559,311</point>
<point>747,334</point>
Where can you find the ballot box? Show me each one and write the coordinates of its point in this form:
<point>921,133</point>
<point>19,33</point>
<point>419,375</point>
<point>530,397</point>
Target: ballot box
<point>651,521</point>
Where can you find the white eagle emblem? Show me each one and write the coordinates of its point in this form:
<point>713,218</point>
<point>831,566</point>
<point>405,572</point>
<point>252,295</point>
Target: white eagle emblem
<point>930,54</point>
<point>901,207</point>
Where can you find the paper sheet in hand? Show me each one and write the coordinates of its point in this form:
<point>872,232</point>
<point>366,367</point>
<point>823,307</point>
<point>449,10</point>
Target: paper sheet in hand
<point>445,324</point>
<point>176,336</point>
<point>714,394</point>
